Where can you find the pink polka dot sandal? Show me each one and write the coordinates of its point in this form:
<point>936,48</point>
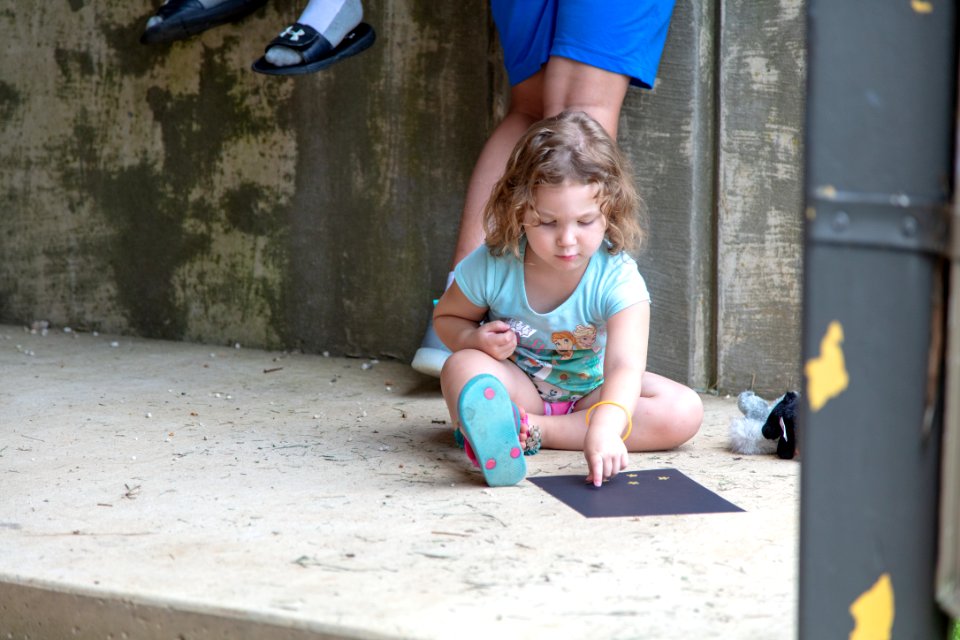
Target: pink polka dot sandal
<point>491,423</point>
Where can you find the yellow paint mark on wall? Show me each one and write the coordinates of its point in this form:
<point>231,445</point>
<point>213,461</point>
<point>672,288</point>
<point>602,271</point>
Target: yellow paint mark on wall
<point>827,373</point>
<point>921,6</point>
<point>827,192</point>
<point>873,612</point>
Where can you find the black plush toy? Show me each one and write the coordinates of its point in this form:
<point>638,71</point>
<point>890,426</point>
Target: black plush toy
<point>766,427</point>
<point>781,425</point>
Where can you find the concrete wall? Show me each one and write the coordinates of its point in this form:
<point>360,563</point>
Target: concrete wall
<point>170,192</point>
<point>762,77</point>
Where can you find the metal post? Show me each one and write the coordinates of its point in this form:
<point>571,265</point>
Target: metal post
<point>879,148</point>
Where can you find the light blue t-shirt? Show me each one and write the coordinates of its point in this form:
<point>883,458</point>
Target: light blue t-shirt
<point>561,350</point>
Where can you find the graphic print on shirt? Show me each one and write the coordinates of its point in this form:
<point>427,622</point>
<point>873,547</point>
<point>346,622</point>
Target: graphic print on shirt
<point>565,342</point>
<point>586,336</point>
<point>569,364</point>
<point>522,329</point>
<point>533,367</point>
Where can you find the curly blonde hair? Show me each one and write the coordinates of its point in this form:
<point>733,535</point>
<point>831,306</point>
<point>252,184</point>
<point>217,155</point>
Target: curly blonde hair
<point>569,146</point>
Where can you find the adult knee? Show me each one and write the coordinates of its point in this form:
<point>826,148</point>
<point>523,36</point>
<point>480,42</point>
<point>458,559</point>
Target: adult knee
<point>526,99</point>
<point>606,114</point>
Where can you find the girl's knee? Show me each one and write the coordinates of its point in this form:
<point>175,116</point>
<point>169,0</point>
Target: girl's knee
<point>466,362</point>
<point>453,364</point>
<point>682,417</point>
<point>675,419</point>
<point>689,413</point>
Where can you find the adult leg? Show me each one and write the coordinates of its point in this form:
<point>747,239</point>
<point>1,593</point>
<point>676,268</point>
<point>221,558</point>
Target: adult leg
<point>562,84</point>
<point>526,107</point>
<point>666,415</point>
<point>574,86</point>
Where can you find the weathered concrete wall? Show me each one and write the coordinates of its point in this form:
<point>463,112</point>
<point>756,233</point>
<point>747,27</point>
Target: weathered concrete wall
<point>762,79</point>
<point>170,192</point>
<point>669,135</point>
<point>717,147</point>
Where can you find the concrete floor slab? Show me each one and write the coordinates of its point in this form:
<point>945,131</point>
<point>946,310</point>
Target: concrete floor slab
<point>153,489</point>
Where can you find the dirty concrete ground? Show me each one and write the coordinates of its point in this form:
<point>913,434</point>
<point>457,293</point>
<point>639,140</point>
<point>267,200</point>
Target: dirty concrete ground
<point>325,495</point>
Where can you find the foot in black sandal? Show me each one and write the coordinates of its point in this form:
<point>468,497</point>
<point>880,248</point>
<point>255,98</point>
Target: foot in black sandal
<point>179,19</point>
<point>315,51</point>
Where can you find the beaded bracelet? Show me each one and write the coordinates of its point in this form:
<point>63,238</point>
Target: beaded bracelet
<point>616,404</point>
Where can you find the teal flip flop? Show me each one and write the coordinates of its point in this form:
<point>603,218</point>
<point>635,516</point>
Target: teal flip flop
<point>490,423</point>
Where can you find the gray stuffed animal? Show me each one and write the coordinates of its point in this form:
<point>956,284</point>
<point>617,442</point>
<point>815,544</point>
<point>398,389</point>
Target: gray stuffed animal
<point>746,433</point>
<point>766,427</point>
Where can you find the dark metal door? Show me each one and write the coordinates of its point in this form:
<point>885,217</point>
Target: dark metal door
<point>879,171</point>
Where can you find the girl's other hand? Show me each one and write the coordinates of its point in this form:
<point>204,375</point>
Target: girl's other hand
<point>496,339</point>
<point>605,452</point>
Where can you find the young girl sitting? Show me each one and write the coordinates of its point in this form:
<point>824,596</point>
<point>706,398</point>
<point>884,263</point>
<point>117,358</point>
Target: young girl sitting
<point>548,322</point>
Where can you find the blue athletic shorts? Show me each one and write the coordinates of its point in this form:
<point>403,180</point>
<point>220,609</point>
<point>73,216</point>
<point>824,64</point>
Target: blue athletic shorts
<point>622,36</point>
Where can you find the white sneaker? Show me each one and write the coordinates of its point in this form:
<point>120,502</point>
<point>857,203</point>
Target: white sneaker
<point>431,355</point>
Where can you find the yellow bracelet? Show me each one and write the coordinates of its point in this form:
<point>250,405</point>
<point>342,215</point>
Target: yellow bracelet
<point>616,404</point>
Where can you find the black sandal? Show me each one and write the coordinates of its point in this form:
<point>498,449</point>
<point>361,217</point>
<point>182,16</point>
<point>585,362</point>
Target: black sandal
<point>185,18</point>
<point>315,50</point>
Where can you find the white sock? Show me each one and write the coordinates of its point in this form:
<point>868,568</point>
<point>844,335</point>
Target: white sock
<point>334,19</point>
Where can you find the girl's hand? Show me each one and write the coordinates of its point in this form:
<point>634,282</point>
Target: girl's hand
<point>496,339</point>
<point>605,452</point>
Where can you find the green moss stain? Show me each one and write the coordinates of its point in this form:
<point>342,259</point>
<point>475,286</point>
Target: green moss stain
<point>130,58</point>
<point>82,156</point>
<point>150,244</point>
<point>197,126</point>
<point>249,208</point>
<point>10,100</point>
<point>73,64</point>
<point>168,218</point>
<point>149,240</point>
